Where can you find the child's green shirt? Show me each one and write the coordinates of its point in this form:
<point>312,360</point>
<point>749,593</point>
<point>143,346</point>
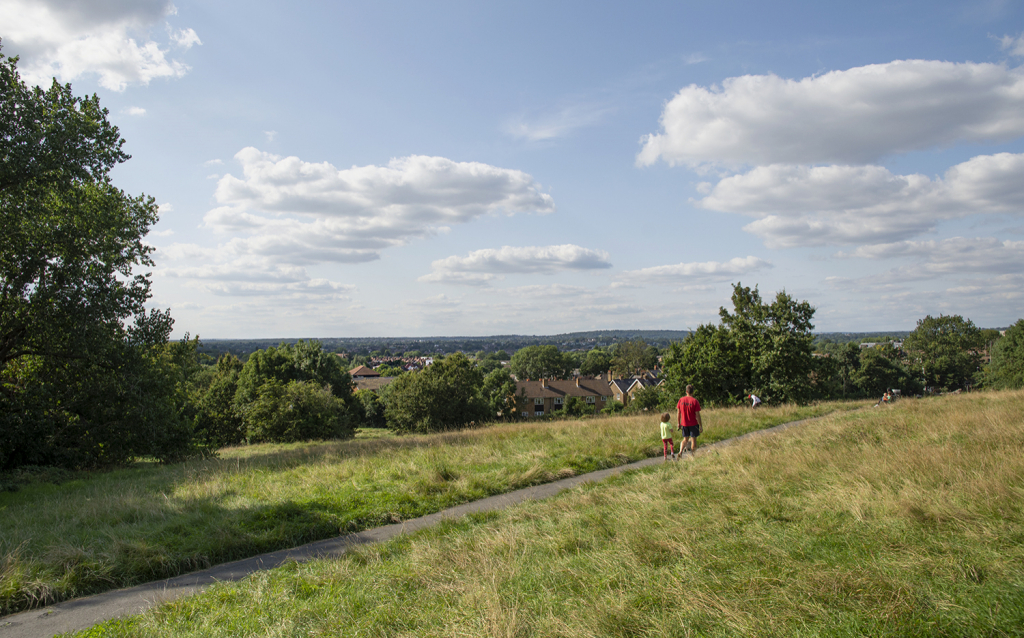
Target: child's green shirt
<point>666,430</point>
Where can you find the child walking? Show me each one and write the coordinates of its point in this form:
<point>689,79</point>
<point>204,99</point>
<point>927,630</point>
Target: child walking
<point>667,447</point>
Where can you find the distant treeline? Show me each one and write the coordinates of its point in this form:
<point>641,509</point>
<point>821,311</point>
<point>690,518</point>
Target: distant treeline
<point>432,346</point>
<point>568,342</point>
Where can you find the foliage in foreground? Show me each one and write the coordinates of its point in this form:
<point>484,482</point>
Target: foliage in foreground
<point>873,523</point>
<point>133,525</point>
<point>86,379</point>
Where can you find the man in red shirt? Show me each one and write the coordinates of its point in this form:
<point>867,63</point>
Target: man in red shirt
<point>688,416</point>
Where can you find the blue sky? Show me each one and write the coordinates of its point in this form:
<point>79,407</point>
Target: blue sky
<point>466,168</point>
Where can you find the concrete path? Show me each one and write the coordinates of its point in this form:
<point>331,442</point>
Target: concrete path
<point>82,613</point>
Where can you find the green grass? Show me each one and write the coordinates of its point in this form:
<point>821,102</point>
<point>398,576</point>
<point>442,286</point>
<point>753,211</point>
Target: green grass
<point>115,529</point>
<point>899,521</point>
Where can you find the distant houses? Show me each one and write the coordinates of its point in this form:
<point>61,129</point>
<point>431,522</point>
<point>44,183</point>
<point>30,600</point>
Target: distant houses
<point>540,397</point>
<point>547,396</point>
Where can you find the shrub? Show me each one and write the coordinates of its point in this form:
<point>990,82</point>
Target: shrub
<point>296,411</point>
<point>444,396</point>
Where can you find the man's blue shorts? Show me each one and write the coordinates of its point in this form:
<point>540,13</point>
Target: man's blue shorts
<point>691,431</point>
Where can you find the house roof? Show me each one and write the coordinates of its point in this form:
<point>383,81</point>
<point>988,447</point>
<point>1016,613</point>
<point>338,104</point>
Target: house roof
<point>563,388</point>
<point>622,384</point>
<point>644,382</point>
<point>363,371</point>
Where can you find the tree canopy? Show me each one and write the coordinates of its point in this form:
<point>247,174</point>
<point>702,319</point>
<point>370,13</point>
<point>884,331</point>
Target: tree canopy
<point>81,359</point>
<point>946,350</point>
<point>444,396</point>
<point>596,362</point>
<point>537,362</point>
<point>1007,368</point>
<point>295,392</point>
<point>759,347</point>
<point>633,357</point>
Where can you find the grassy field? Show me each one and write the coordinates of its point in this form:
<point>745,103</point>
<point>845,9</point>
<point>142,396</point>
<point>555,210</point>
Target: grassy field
<point>905,520</point>
<point>104,531</point>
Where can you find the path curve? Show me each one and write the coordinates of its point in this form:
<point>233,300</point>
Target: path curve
<point>82,613</point>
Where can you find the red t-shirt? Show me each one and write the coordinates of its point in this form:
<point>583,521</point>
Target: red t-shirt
<point>688,408</point>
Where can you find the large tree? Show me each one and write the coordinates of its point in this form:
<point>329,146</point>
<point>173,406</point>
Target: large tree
<point>537,362</point>
<point>776,339</point>
<point>499,391</point>
<point>1006,371</point>
<point>759,347</point>
<point>81,362</point>
<point>945,350</point>
<point>882,368</point>
<point>630,358</point>
<point>709,360</point>
<point>596,362</point>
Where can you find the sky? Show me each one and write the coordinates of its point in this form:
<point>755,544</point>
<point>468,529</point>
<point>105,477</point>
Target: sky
<point>468,169</point>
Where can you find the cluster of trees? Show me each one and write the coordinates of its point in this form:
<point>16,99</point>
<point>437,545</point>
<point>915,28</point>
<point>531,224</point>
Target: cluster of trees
<point>288,393</point>
<point>766,349</point>
<point>452,393</point>
<point>1006,370</point>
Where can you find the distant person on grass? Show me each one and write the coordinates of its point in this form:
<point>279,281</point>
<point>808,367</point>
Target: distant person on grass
<point>754,401</point>
<point>688,413</point>
<point>667,446</point>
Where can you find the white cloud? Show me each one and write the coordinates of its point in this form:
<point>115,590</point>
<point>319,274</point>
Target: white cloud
<point>693,272</point>
<point>855,116</point>
<point>532,292</point>
<point>439,302</point>
<point>245,275</point>
<point>1014,45</point>
<point>213,162</point>
<point>358,212</point>
<point>954,256</point>
<point>285,215</point>
<point>481,266</point>
<point>65,39</point>
<point>270,135</point>
<point>813,206</point>
<point>135,110</point>
<point>184,38</point>
<point>558,124</point>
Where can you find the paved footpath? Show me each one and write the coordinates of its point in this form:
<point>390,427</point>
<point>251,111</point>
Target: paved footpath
<point>82,613</point>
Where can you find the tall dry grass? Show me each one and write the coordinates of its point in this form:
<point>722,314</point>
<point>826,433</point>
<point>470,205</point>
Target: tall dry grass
<point>115,529</point>
<point>900,521</point>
